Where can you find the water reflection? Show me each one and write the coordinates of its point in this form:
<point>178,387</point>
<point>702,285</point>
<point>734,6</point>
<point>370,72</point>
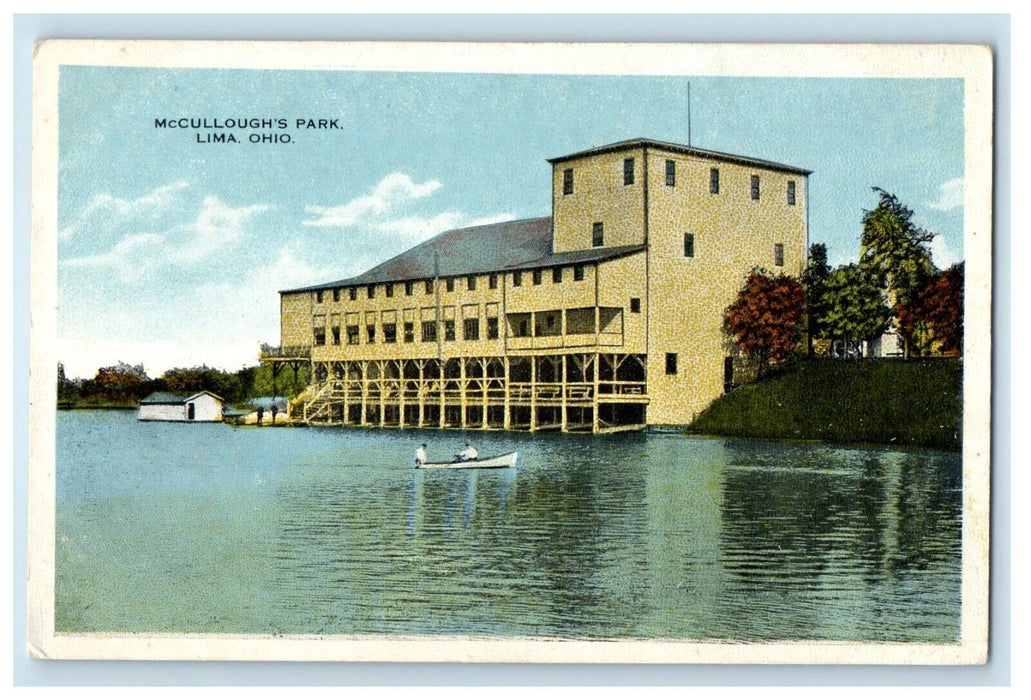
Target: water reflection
<point>645,536</point>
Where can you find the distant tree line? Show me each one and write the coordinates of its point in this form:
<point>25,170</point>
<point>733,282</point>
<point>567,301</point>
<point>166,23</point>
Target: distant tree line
<point>125,384</point>
<point>894,286</point>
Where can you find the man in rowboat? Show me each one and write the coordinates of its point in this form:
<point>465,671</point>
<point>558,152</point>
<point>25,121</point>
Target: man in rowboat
<point>469,454</point>
<point>420,455</point>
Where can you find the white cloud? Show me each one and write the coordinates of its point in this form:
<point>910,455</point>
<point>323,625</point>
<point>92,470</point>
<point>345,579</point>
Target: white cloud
<point>394,190</point>
<point>214,228</point>
<point>130,259</point>
<point>950,195</point>
<point>104,206</point>
<point>420,227</point>
<point>943,253</point>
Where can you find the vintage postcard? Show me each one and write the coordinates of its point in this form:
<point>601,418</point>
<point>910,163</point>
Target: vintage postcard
<point>510,352</point>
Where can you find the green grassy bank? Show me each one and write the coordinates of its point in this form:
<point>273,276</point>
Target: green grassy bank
<point>888,402</point>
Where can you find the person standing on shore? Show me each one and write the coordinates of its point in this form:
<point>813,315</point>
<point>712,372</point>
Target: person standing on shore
<point>261,414</point>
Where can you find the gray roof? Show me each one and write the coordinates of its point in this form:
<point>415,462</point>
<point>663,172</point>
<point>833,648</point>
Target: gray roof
<point>511,245</point>
<point>685,150</point>
<point>164,397</point>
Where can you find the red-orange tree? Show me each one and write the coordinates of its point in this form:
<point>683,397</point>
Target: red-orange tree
<point>936,312</point>
<point>765,321</point>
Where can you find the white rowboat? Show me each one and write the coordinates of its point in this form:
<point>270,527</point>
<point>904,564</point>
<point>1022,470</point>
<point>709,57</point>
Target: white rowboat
<point>499,462</point>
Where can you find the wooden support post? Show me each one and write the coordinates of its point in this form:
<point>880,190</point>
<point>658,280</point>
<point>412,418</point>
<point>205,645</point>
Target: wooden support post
<point>595,422</point>
<point>346,383</point>
<point>533,393</point>
<point>484,384</point>
<point>506,420</point>
<point>421,392</point>
<point>365,391</point>
<point>401,394</point>
<point>462,393</point>
<point>564,388</point>
<point>382,392</point>
<point>441,422</point>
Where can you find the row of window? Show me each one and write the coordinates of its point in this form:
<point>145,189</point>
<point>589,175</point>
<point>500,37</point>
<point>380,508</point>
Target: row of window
<point>428,332</point>
<point>671,180</point>
<point>537,275</point>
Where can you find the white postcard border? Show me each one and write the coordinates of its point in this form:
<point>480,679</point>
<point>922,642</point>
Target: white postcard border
<point>971,63</point>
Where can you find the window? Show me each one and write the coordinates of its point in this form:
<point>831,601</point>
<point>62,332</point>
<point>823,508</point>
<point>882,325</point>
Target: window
<point>635,305</point>
<point>352,335</point>
<point>517,279</point>
<point>408,289</point>
<point>336,335</point>
<point>755,187</point>
<point>578,273</point>
<point>371,289</point>
<point>429,286</point>
<point>352,292</point>
<point>470,283</point>
<point>567,181</point>
<point>409,332</point>
<point>429,331</point>
<point>389,332</point>
<point>688,245</point>
<point>370,332</point>
<point>671,173</point>
<point>493,281</point>
<point>791,193</point>
<point>556,275</point>
<point>449,330</point>
<point>598,234</point>
<point>628,171</point>
<point>471,329</point>
<point>714,180</point>
<point>336,294</point>
<point>390,289</point>
<point>320,335</point>
<point>318,297</point>
<point>778,254</point>
<point>671,363</point>
<point>450,284</point>
<point>492,328</point>
<point>537,276</point>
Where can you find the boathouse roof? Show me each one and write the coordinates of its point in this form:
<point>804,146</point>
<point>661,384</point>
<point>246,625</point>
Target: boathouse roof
<point>166,398</point>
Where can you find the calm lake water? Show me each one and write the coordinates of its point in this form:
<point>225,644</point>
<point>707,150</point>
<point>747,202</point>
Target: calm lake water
<point>167,527</point>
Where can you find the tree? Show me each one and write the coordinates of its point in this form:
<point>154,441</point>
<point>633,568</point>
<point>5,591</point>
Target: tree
<point>855,308</point>
<point>897,249</point>
<point>67,389</point>
<point>765,320</point>
<point>122,382</point>
<point>814,279</point>
<point>936,312</point>
<point>186,380</point>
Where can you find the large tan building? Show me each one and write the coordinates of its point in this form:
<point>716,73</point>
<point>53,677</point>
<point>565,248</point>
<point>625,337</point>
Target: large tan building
<point>608,315</point>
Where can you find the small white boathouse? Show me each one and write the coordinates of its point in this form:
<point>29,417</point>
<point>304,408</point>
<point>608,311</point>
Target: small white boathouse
<point>202,407</point>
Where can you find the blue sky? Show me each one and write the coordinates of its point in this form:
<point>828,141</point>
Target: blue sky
<point>171,252</point>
